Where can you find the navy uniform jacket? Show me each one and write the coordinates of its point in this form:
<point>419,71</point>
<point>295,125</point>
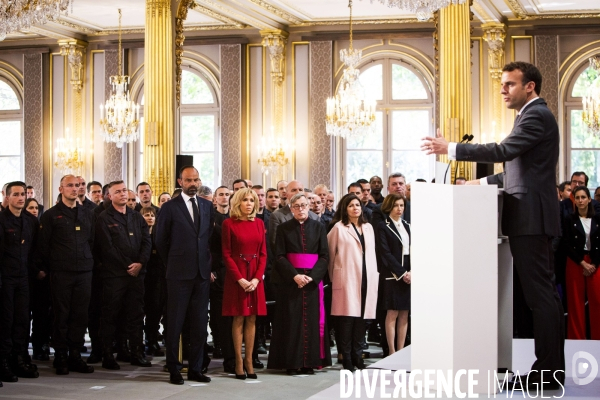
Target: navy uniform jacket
<point>67,238</point>
<point>18,237</point>
<point>184,250</point>
<point>122,239</point>
<point>574,238</point>
<point>88,204</point>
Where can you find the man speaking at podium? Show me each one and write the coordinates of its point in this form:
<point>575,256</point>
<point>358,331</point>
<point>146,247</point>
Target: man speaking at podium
<point>530,211</point>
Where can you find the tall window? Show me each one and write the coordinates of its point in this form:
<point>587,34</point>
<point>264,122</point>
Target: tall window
<point>404,116</point>
<point>583,148</point>
<point>200,126</point>
<point>11,142</point>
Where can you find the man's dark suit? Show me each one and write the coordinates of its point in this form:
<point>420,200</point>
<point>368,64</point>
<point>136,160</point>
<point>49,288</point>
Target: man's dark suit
<point>185,251</point>
<point>530,219</point>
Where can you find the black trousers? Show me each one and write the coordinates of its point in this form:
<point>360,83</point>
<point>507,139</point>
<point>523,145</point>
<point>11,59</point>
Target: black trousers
<point>533,259</point>
<point>123,296</point>
<point>350,335</point>
<point>155,303</point>
<point>216,315</point>
<point>187,297</point>
<point>95,311</point>
<point>70,301</point>
<point>14,315</point>
<point>41,311</point>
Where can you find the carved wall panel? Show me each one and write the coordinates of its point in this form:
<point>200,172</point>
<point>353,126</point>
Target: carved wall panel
<point>231,112</point>
<point>113,156</point>
<point>33,123</point>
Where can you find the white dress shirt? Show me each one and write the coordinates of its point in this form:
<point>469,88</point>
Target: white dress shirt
<point>404,236</point>
<point>188,204</point>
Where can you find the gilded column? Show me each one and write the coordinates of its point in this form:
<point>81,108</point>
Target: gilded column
<point>494,35</point>
<point>75,51</point>
<point>159,56</point>
<point>275,40</point>
<point>454,41</point>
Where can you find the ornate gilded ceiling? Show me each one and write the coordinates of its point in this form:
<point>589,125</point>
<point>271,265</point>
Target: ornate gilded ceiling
<point>92,18</point>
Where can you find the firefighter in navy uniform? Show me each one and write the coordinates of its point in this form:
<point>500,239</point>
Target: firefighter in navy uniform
<point>66,242</point>
<point>18,235</point>
<point>125,245</point>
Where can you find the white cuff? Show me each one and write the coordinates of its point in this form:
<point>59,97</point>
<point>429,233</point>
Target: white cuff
<point>483,181</point>
<point>452,151</point>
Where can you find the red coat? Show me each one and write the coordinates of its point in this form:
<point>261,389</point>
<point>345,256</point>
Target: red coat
<point>245,238</point>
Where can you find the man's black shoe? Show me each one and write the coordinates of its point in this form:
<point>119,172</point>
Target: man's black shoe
<point>197,376</point>
<point>137,358</point>
<point>176,378</point>
<point>76,364</point>
<point>123,353</point>
<point>6,373</point>
<point>22,369</point>
<point>256,363</point>
<point>40,355</point>
<point>261,349</point>
<point>60,362</point>
<point>155,350</point>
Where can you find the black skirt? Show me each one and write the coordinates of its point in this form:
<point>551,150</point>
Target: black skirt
<point>397,293</point>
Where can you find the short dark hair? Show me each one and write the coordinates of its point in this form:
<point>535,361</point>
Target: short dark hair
<point>29,187</point>
<point>238,181</point>
<point>105,189</point>
<point>375,176</point>
<point>146,210</point>
<point>30,200</point>
<point>14,184</point>
<point>269,190</point>
<point>354,184</point>
<point>579,173</point>
<point>142,184</point>
<point>92,183</point>
<point>390,201</point>
<point>421,180</point>
<point>176,192</point>
<point>184,168</point>
<point>563,185</point>
<point>113,183</point>
<point>258,187</point>
<point>590,212</point>
<point>596,190</point>
<point>221,187</point>
<point>530,74</point>
<point>204,191</point>
<point>341,214</point>
<point>460,178</point>
<point>362,181</point>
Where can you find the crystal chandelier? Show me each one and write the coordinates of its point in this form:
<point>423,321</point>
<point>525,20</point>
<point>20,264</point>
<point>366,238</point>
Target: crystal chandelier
<point>21,14</point>
<point>68,156</point>
<point>120,124</point>
<point>591,101</point>
<point>350,113</point>
<point>423,9</point>
<point>271,156</point>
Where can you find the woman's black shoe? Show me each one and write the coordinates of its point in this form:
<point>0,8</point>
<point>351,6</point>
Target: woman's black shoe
<point>242,376</point>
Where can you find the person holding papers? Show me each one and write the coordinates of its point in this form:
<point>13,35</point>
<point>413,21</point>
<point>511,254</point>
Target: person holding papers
<point>393,245</point>
<point>354,277</point>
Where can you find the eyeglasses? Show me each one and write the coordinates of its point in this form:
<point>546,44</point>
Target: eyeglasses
<point>578,183</point>
<point>300,206</point>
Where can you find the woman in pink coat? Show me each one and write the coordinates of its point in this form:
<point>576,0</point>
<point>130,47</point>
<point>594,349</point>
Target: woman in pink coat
<point>354,277</point>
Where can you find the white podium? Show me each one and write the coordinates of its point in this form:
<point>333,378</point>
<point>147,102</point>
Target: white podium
<point>461,296</point>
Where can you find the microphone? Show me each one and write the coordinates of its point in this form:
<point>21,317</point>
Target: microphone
<point>465,138</point>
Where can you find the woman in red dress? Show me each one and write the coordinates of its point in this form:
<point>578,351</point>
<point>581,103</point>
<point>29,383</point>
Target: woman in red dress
<point>245,257</point>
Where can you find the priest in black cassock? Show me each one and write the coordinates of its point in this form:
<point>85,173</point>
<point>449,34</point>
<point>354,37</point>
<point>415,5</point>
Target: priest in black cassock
<point>300,341</point>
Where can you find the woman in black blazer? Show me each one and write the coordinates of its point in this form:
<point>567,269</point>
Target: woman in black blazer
<point>393,246</point>
<point>582,237</point>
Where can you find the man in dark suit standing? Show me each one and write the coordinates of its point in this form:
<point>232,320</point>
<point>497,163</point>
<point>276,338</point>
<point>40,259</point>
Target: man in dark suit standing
<point>530,215</point>
<point>182,240</point>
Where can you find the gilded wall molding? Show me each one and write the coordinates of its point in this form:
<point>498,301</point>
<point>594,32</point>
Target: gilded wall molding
<point>359,22</point>
<point>275,40</point>
<point>238,15</point>
<point>75,51</point>
<point>277,11</point>
<point>213,14</point>
<point>521,13</point>
<point>180,18</point>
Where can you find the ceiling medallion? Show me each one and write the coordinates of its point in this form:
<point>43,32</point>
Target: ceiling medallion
<point>423,9</point>
<point>21,14</point>
<point>591,101</point>
<point>122,119</point>
<point>349,112</point>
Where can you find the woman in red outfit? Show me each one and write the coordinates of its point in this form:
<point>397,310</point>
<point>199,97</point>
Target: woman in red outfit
<point>582,236</point>
<point>245,257</point>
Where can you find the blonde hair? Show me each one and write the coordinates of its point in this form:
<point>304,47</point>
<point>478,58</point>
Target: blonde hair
<point>236,203</point>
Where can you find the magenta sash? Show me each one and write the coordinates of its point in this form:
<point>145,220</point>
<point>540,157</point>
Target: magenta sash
<point>308,261</point>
